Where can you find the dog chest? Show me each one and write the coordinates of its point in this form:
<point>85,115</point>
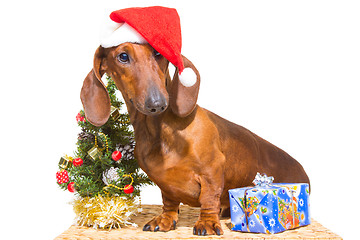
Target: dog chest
<point>181,183</point>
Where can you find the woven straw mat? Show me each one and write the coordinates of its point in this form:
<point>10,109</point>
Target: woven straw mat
<point>184,230</point>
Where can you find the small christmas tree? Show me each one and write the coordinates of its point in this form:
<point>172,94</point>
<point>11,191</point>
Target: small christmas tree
<point>103,174</point>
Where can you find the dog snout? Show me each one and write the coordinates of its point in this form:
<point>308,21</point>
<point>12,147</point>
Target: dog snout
<point>156,102</point>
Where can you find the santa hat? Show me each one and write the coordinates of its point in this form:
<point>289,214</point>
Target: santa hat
<point>158,26</point>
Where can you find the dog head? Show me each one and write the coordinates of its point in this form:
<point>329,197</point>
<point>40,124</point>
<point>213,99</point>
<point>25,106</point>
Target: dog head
<point>142,76</point>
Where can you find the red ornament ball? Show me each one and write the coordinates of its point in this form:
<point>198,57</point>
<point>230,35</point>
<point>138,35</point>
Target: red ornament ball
<point>80,118</point>
<point>116,155</point>
<point>77,162</point>
<point>128,189</point>
<point>71,187</point>
<point>62,176</point>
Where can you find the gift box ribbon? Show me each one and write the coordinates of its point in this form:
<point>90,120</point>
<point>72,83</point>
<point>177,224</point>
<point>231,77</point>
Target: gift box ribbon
<point>263,180</point>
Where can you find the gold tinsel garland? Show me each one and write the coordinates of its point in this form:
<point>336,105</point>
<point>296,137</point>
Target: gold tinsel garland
<point>105,212</point>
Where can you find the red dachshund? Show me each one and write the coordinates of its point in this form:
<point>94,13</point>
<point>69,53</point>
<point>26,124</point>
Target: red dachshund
<point>192,154</point>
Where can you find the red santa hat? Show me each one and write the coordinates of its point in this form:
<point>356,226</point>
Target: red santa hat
<point>158,26</point>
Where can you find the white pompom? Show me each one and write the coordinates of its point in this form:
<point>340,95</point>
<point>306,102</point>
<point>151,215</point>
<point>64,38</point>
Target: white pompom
<point>188,77</point>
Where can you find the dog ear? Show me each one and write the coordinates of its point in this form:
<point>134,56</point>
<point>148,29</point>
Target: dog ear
<point>94,95</point>
<point>183,96</point>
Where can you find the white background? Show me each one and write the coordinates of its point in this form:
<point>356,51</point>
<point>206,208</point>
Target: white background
<point>286,70</point>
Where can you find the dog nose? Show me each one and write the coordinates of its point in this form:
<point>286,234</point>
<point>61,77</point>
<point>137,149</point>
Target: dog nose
<point>155,102</point>
<point>155,105</point>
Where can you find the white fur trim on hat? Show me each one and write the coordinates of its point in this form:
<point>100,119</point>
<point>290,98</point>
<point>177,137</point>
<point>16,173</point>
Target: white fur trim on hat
<point>114,34</point>
<point>188,77</point>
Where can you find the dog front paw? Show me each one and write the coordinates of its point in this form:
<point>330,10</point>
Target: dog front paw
<point>207,227</point>
<point>164,222</point>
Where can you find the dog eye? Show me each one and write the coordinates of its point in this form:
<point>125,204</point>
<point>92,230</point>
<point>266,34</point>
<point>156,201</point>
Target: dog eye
<point>123,57</point>
<point>156,53</point>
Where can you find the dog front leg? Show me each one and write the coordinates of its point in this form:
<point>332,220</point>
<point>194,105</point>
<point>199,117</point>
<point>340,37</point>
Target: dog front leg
<point>209,220</point>
<point>167,220</point>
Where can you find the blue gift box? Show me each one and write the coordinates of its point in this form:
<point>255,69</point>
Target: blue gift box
<point>269,207</point>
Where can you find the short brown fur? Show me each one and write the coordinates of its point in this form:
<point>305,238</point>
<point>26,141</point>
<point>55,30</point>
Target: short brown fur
<point>192,154</point>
